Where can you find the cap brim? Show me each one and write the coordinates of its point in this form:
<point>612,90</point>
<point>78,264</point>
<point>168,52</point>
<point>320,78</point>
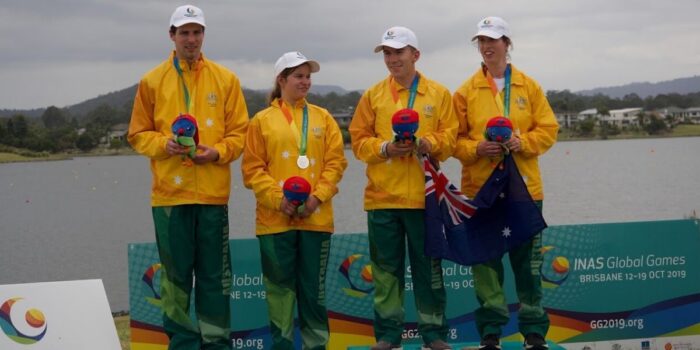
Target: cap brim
<point>315,67</point>
<point>489,33</point>
<point>187,21</point>
<point>390,43</point>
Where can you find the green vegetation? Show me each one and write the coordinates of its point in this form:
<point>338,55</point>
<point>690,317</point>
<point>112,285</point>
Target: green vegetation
<point>123,331</point>
<point>11,154</point>
<point>54,134</point>
<point>567,101</point>
<point>104,125</point>
<point>98,126</point>
<point>13,157</point>
<point>614,133</point>
<point>684,130</point>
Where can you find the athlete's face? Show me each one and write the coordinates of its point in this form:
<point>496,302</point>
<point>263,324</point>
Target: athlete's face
<point>188,40</point>
<point>493,51</point>
<point>401,62</point>
<point>296,85</point>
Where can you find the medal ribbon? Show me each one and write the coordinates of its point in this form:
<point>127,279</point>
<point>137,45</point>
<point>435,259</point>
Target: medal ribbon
<point>189,102</point>
<point>304,125</point>
<point>411,96</point>
<point>503,105</point>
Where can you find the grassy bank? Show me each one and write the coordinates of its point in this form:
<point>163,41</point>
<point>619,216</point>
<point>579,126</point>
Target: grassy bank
<point>686,130</point>
<point>122,324</point>
<point>11,154</point>
<point>6,157</point>
<point>683,130</point>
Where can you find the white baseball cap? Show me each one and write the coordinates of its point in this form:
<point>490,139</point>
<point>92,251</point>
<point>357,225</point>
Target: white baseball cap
<point>294,59</point>
<point>187,14</point>
<point>492,27</point>
<point>397,38</point>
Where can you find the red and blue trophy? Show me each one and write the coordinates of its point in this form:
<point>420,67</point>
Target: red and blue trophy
<point>405,124</point>
<point>185,133</point>
<point>296,189</point>
<point>499,129</point>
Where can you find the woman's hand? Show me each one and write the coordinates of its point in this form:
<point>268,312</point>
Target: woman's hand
<point>514,144</point>
<point>310,206</point>
<point>287,207</point>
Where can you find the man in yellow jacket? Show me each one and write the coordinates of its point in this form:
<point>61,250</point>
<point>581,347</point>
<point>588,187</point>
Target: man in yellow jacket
<point>395,192</point>
<point>189,203</point>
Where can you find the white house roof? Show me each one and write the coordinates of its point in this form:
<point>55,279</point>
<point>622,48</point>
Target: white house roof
<point>624,110</point>
<point>590,111</point>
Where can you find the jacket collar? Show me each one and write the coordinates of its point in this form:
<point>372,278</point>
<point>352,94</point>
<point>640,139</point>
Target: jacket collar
<point>516,77</point>
<point>299,104</point>
<point>422,84</point>
<point>201,62</point>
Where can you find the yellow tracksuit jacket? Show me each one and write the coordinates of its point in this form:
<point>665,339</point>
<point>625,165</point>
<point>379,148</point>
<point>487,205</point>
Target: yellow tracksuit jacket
<point>222,118</point>
<point>400,182</point>
<point>270,157</point>
<point>532,118</point>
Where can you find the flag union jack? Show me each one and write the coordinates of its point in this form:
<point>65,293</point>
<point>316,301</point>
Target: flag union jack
<point>506,217</point>
<point>457,203</point>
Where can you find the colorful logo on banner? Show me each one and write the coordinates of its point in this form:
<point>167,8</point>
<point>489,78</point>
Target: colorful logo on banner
<point>149,278</point>
<point>553,272</point>
<point>359,275</point>
<point>32,327</point>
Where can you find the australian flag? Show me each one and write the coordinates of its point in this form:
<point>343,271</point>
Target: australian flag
<point>500,217</point>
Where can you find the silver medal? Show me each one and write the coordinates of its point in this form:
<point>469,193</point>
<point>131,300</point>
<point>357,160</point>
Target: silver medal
<point>303,162</point>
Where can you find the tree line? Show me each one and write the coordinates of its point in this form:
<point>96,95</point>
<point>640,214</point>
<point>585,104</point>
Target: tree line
<point>59,131</point>
<point>567,101</point>
<point>56,131</point>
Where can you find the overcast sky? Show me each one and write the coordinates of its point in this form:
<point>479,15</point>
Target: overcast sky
<point>62,52</point>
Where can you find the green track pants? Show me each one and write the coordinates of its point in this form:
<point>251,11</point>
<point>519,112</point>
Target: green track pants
<point>294,272</point>
<point>493,313</point>
<point>193,242</point>
<point>390,230</point>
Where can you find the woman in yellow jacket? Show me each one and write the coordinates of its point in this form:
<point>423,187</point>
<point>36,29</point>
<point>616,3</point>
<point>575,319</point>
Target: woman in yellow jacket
<point>499,89</point>
<point>294,138</point>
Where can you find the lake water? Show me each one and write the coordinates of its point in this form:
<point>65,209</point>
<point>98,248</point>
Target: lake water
<point>73,219</point>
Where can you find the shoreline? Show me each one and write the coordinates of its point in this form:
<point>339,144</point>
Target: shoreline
<point>24,156</point>
<point>15,155</point>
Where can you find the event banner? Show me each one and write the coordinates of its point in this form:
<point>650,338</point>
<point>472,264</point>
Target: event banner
<point>56,315</point>
<point>606,286</point>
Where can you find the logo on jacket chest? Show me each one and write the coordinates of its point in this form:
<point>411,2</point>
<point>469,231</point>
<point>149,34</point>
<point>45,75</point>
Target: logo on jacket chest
<point>317,131</point>
<point>211,99</point>
<point>521,102</point>
<point>428,111</point>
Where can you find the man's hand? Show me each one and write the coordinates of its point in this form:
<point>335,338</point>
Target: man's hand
<point>489,149</point>
<point>424,146</point>
<point>399,149</point>
<point>173,148</point>
<point>206,154</point>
